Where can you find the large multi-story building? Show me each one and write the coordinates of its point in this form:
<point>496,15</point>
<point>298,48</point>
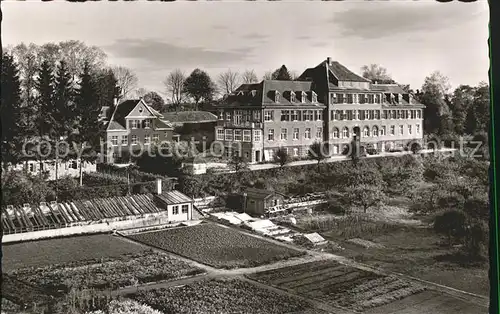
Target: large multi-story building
<point>327,103</point>
<point>259,118</point>
<point>133,126</point>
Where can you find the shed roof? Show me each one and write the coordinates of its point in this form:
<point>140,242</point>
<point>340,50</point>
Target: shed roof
<point>261,193</point>
<point>174,197</point>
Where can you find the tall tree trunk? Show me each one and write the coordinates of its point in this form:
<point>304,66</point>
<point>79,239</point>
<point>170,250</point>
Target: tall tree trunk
<point>81,172</point>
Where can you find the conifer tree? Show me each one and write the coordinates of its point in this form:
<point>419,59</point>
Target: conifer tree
<point>46,121</point>
<point>64,107</point>
<point>11,111</point>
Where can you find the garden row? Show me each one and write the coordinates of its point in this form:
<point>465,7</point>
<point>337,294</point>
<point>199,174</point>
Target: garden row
<point>221,297</point>
<point>217,246</point>
<point>126,270</point>
<point>338,285</point>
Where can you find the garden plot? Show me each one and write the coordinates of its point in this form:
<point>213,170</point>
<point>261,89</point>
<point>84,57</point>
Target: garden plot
<point>110,273</point>
<point>227,296</point>
<point>338,285</point>
<point>365,243</point>
<point>64,250</point>
<point>217,246</point>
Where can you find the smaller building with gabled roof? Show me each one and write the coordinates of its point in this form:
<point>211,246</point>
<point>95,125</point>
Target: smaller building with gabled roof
<point>260,201</point>
<point>134,125</point>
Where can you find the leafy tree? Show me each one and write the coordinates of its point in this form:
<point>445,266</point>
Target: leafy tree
<point>64,110</point>
<point>376,73</point>
<point>452,224</point>
<point>318,152</point>
<point>364,195</point>
<point>461,102</point>
<point>434,90</point>
<point>11,111</point>
<point>19,187</point>
<point>281,74</point>
<point>199,86</point>
<point>476,239</point>
<point>238,163</point>
<point>155,101</point>
<point>281,157</point>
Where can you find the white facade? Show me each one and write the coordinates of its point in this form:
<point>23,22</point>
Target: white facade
<point>64,168</point>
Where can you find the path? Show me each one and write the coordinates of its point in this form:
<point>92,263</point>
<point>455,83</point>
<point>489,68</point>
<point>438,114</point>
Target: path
<point>254,167</point>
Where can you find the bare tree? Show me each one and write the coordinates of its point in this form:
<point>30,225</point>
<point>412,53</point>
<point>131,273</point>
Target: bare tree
<point>174,83</point>
<point>268,75</point>
<point>228,81</point>
<point>249,77</point>
<point>127,80</point>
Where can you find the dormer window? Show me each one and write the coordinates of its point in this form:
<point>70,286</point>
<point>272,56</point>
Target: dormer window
<point>240,93</point>
<point>277,96</point>
<point>292,97</point>
<point>314,98</point>
<point>303,96</point>
<point>254,93</point>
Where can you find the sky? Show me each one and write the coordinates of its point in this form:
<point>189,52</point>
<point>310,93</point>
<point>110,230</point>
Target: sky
<point>410,39</point>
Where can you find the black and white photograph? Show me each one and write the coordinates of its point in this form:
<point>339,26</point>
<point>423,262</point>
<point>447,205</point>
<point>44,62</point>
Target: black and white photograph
<point>245,157</point>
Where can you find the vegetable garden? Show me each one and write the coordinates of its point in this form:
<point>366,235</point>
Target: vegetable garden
<point>217,246</point>
<point>109,273</point>
<point>220,297</point>
<point>338,285</point>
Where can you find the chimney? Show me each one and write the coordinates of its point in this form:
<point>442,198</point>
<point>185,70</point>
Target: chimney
<point>329,61</point>
<point>158,186</point>
<point>115,101</point>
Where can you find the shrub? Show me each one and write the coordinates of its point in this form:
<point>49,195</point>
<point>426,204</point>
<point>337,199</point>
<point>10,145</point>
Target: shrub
<point>452,224</point>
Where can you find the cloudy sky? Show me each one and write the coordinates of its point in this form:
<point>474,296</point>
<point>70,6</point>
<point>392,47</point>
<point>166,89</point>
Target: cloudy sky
<point>410,39</point>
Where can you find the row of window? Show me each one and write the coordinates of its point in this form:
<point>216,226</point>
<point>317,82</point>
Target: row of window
<point>375,114</point>
<point>295,134</point>
<point>175,209</point>
<point>341,98</point>
<point>133,139</point>
<point>375,131</point>
<point>238,135</point>
<point>293,97</point>
<point>296,115</point>
<point>237,116</point>
<point>140,124</point>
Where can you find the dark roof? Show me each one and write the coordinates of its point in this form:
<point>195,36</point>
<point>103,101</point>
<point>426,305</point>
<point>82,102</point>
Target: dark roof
<point>388,88</point>
<point>260,193</point>
<point>113,125</point>
<point>264,92</point>
<point>123,109</point>
<point>190,116</point>
<point>344,74</point>
<point>174,197</point>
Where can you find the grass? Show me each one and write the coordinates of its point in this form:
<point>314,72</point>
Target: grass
<point>217,246</point>
<point>64,250</point>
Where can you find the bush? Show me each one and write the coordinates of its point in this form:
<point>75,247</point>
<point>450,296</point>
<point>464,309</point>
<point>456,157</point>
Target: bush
<point>452,224</point>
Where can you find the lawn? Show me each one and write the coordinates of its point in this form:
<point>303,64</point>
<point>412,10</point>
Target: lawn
<point>217,246</point>
<point>339,285</point>
<point>418,252</point>
<point>222,296</point>
<point>64,250</point>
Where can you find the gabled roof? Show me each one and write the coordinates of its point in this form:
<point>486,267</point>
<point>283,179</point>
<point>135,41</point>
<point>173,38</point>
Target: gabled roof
<point>123,110</point>
<point>260,193</point>
<point>344,74</point>
<point>174,197</point>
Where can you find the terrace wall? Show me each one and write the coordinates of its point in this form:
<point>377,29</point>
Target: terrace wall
<point>148,220</point>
